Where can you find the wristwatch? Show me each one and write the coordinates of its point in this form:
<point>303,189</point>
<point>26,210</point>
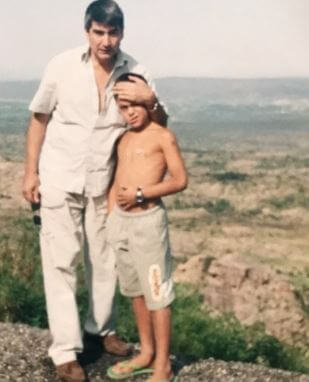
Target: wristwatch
<point>139,196</point>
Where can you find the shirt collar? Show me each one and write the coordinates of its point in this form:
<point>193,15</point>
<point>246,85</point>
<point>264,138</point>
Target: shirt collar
<point>120,61</point>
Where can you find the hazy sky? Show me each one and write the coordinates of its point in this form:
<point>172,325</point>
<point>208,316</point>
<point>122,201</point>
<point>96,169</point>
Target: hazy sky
<point>222,38</point>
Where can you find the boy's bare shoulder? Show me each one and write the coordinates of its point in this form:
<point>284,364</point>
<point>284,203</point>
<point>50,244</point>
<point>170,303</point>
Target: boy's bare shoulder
<point>167,136</point>
<point>122,138</point>
<point>162,131</point>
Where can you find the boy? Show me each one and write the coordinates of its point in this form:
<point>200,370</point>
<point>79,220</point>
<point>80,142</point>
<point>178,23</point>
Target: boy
<point>137,229</point>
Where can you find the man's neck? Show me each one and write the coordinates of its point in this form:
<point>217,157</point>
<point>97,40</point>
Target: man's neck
<point>107,65</point>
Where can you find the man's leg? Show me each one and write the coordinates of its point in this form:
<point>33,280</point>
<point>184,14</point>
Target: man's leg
<point>60,238</point>
<point>100,269</point>
<point>101,278</point>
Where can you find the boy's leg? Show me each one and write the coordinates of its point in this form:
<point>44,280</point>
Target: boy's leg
<point>145,330</point>
<point>153,259</point>
<point>161,320</point>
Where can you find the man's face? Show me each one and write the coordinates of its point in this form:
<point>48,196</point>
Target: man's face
<point>135,115</point>
<point>104,41</point>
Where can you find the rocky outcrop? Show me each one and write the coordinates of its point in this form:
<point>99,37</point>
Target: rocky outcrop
<point>23,358</point>
<point>253,292</point>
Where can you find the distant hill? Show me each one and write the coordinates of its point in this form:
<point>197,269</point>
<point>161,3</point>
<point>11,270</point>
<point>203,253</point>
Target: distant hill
<point>233,91</point>
<point>18,90</point>
<point>199,108</point>
<point>206,90</point>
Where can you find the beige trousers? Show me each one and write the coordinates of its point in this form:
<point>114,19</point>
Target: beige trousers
<point>71,223</point>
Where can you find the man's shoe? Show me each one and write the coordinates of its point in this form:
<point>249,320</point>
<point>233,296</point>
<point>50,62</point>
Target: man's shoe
<point>71,372</point>
<point>114,345</point>
<point>111,344</point>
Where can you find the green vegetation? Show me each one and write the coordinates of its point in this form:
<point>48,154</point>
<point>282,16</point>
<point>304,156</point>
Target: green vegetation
<point>196,333</point>
<point>293,200</point>
<point>286,161</point>
<point>229,176</point>
<point>200,336</point>
<point>216,206</point>
<point>21,288</point>
<point>219,207</point>
<point>213,165</point>
<point>301,284</point>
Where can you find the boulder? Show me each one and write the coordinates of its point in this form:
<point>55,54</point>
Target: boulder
<point>253,292</point>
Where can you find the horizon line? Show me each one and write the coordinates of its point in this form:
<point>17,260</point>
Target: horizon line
<point>191,77</point>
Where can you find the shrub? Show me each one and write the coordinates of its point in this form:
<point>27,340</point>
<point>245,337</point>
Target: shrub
<point>289,201</point>
<point>219,207</point>
<point>198,335</point>
<point>229,176</point>
<point>20,303</point>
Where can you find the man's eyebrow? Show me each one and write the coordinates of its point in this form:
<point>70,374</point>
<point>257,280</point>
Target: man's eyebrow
<point>98,30</point>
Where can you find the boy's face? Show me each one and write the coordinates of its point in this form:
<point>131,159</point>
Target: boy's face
<point>135,115</point>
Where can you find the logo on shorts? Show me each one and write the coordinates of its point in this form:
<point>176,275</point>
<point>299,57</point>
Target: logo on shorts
<point>155,281</point>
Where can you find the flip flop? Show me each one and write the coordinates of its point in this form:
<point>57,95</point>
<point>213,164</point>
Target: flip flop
<point>174,379</point>
<point>134,370</point>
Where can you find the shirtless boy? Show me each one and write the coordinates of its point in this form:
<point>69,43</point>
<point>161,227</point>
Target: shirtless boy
<point>137,229</point>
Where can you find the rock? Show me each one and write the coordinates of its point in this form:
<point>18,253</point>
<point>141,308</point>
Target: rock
<point>185,243</point>
<point>253,292</point>
<point>23,358</point>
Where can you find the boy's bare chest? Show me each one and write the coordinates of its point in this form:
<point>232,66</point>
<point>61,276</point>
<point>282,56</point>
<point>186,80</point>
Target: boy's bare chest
<point>139,149</point>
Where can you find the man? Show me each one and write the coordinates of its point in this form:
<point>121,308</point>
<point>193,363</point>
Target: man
<point>74,125</point>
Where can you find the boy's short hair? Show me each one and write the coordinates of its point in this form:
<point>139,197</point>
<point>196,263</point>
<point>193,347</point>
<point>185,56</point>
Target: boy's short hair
<point>104,12</point>
<point>125,78</point>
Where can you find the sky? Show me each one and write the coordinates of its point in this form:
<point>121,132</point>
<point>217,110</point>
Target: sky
<point>208,38</point>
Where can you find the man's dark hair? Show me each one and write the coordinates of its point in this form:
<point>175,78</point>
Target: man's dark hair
<point>105,12</point>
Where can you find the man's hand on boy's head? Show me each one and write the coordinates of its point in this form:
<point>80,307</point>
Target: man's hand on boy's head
<point>137,91</point>
<point>126,197</point>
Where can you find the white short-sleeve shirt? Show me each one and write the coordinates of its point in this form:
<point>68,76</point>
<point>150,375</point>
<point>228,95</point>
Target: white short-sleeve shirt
<point>76,155</point>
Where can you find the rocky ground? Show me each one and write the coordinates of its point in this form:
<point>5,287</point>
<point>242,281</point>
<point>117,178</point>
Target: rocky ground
<point>23,358</point>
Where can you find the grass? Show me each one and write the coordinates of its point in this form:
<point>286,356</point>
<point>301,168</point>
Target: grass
<point>229,176</point>
<point>216,206</point>
<point>299,199</point>
<point>286,161</point>
<point>301,284</point>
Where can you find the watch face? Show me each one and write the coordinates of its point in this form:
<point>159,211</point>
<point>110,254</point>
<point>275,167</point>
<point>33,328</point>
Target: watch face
<point>139,196</point>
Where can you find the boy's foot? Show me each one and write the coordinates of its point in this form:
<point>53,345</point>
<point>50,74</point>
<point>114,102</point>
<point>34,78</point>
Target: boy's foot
<point>127,369</point>
<point>163,374</point>
<point>71,372</point>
